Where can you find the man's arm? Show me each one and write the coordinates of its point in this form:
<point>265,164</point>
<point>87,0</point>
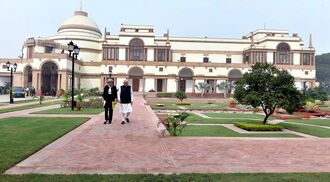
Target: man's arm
<point>118,95</point>
<point>105,93</point>
<point>132,95</point>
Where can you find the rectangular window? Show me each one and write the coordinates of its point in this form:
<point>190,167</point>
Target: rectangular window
<point>49,49</point>
<point>259,57</point>
<point>160,55</point>
<point>29,52</point>
<point>228,60</point>
<point>306,59</point>
<point>205,60</point>
<point>111,53</point>
<point>182,59</point>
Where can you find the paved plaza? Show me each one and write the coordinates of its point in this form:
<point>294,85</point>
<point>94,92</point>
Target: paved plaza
<point>137,147</point>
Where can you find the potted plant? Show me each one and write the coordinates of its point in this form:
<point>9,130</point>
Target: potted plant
<point>232,102</point>
<point>80,99</point>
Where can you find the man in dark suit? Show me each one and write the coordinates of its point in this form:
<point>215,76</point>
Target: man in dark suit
<point>109,96</point>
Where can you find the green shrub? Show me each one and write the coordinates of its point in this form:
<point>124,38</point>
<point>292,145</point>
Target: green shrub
<point>180,95</point>
<point>92,103</point>
<point>183,103</point>
<point>317,93</point>
<point>258,126</point>
<point>174,123</point>
<point>164,94</point>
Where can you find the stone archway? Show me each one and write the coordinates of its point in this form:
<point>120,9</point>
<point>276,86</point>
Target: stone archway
<point>185,81</point>
<point>135,75</point>
<point>49,75</point>
<point>27,77</point>
<point>233,76</point>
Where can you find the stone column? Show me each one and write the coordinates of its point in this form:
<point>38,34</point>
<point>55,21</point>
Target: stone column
<point>36,81</point>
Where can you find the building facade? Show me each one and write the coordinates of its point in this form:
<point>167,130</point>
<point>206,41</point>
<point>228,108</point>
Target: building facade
<point>160,63</point>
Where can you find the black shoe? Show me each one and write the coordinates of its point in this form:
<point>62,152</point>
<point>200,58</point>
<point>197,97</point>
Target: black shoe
<point>109,122</point>
<point>105,122</point>
<point>127,120</point>
<point>123,122</point>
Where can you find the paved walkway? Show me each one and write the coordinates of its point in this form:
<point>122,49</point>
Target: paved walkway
<point>138,148</point>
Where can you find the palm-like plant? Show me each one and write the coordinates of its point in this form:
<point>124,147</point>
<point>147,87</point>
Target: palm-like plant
<point>203,87</point>
<point>225,86</point>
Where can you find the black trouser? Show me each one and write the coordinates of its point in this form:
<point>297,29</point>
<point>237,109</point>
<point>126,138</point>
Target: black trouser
<point>108,111</point>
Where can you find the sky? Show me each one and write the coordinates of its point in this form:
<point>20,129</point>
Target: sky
<point>21,19</point>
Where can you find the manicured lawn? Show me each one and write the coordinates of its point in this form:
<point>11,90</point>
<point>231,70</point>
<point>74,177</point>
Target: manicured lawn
<point>325,107</point>
<point>197,119</point>
<point>21,137</point>
<point>237,115</point>
<point>311,130</point>
<point>221,131</point>
<point>172,105</point>
<point>237,177</point>
<point>167,105</point>
<point>206,105</point>
<point>69,111</point>
<point>19,108</point>
<point>321,122</point>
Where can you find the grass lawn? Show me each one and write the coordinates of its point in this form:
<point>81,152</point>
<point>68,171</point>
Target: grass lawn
<point>197,119</point>
<point>18,108</point>
<point>172,105</point>
<point>237,115</point>
<point>68,111</point>
<point>311,130</point>
<point>237,177</point>
<point>320,122</point>
<point>21,137</point>
<point>221,131</point>
<point>325,107</point>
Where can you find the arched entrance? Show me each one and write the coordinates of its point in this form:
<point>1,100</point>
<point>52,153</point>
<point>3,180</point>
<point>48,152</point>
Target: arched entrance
<point>233,76</point>
<point>28,77</point>
<point>49,74</point>
<point>186,80</point>
<point>135,75</point>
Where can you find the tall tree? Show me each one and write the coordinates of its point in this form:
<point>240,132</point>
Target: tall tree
<point>268,87</point>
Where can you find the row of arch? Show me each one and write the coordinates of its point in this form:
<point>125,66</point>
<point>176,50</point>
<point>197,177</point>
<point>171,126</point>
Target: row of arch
<point>184,73</point>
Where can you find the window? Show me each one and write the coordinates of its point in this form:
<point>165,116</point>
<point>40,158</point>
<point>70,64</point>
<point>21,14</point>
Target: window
<point>306,72</point>
<point>29,52</point>
<point>205,60</point>
<point>161,69</point>
<point>48,49</point>
<point>210,70</point>
<point>136,50</point>
<point>110,53</point>
<point>306,59</point>
<point>136,30</point>
<point>160,55</point>
<point>247,58</point>
<point>283,54</point>
<point>259,57</point>
<point>182,59</point>
<point>228,60</point>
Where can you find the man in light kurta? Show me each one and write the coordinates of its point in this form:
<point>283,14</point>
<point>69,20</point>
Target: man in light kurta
<point>125,98</point>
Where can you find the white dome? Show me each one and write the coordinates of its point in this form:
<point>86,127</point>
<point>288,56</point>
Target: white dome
<point>78,24</point>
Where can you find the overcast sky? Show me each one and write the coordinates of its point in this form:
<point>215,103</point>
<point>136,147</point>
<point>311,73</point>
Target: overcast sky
<point>21,19</point>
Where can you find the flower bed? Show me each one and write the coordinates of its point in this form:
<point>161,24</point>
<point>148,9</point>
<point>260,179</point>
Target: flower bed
<point>258,126</point>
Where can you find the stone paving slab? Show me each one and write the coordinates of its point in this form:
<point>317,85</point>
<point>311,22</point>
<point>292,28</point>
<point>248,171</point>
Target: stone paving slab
<point>138,148</point>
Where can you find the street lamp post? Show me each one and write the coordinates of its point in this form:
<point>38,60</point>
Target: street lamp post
<point>73,53</point>
<point>12,68</point>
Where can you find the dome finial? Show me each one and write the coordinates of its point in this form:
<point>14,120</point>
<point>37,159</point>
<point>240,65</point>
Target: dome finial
<point>81,5</point>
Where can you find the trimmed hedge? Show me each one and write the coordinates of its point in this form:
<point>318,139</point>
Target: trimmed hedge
<point>164,94</point>
<point>258,126</point>
<point>183,103</point>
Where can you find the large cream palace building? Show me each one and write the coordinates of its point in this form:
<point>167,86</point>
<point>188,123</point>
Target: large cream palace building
<point>161,63</point>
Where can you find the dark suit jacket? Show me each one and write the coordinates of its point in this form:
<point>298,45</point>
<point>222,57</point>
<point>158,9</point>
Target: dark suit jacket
<point>109,97</point>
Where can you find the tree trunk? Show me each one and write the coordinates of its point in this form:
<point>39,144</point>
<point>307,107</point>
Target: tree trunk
<point>225,93</point>
<point>265,119</point>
